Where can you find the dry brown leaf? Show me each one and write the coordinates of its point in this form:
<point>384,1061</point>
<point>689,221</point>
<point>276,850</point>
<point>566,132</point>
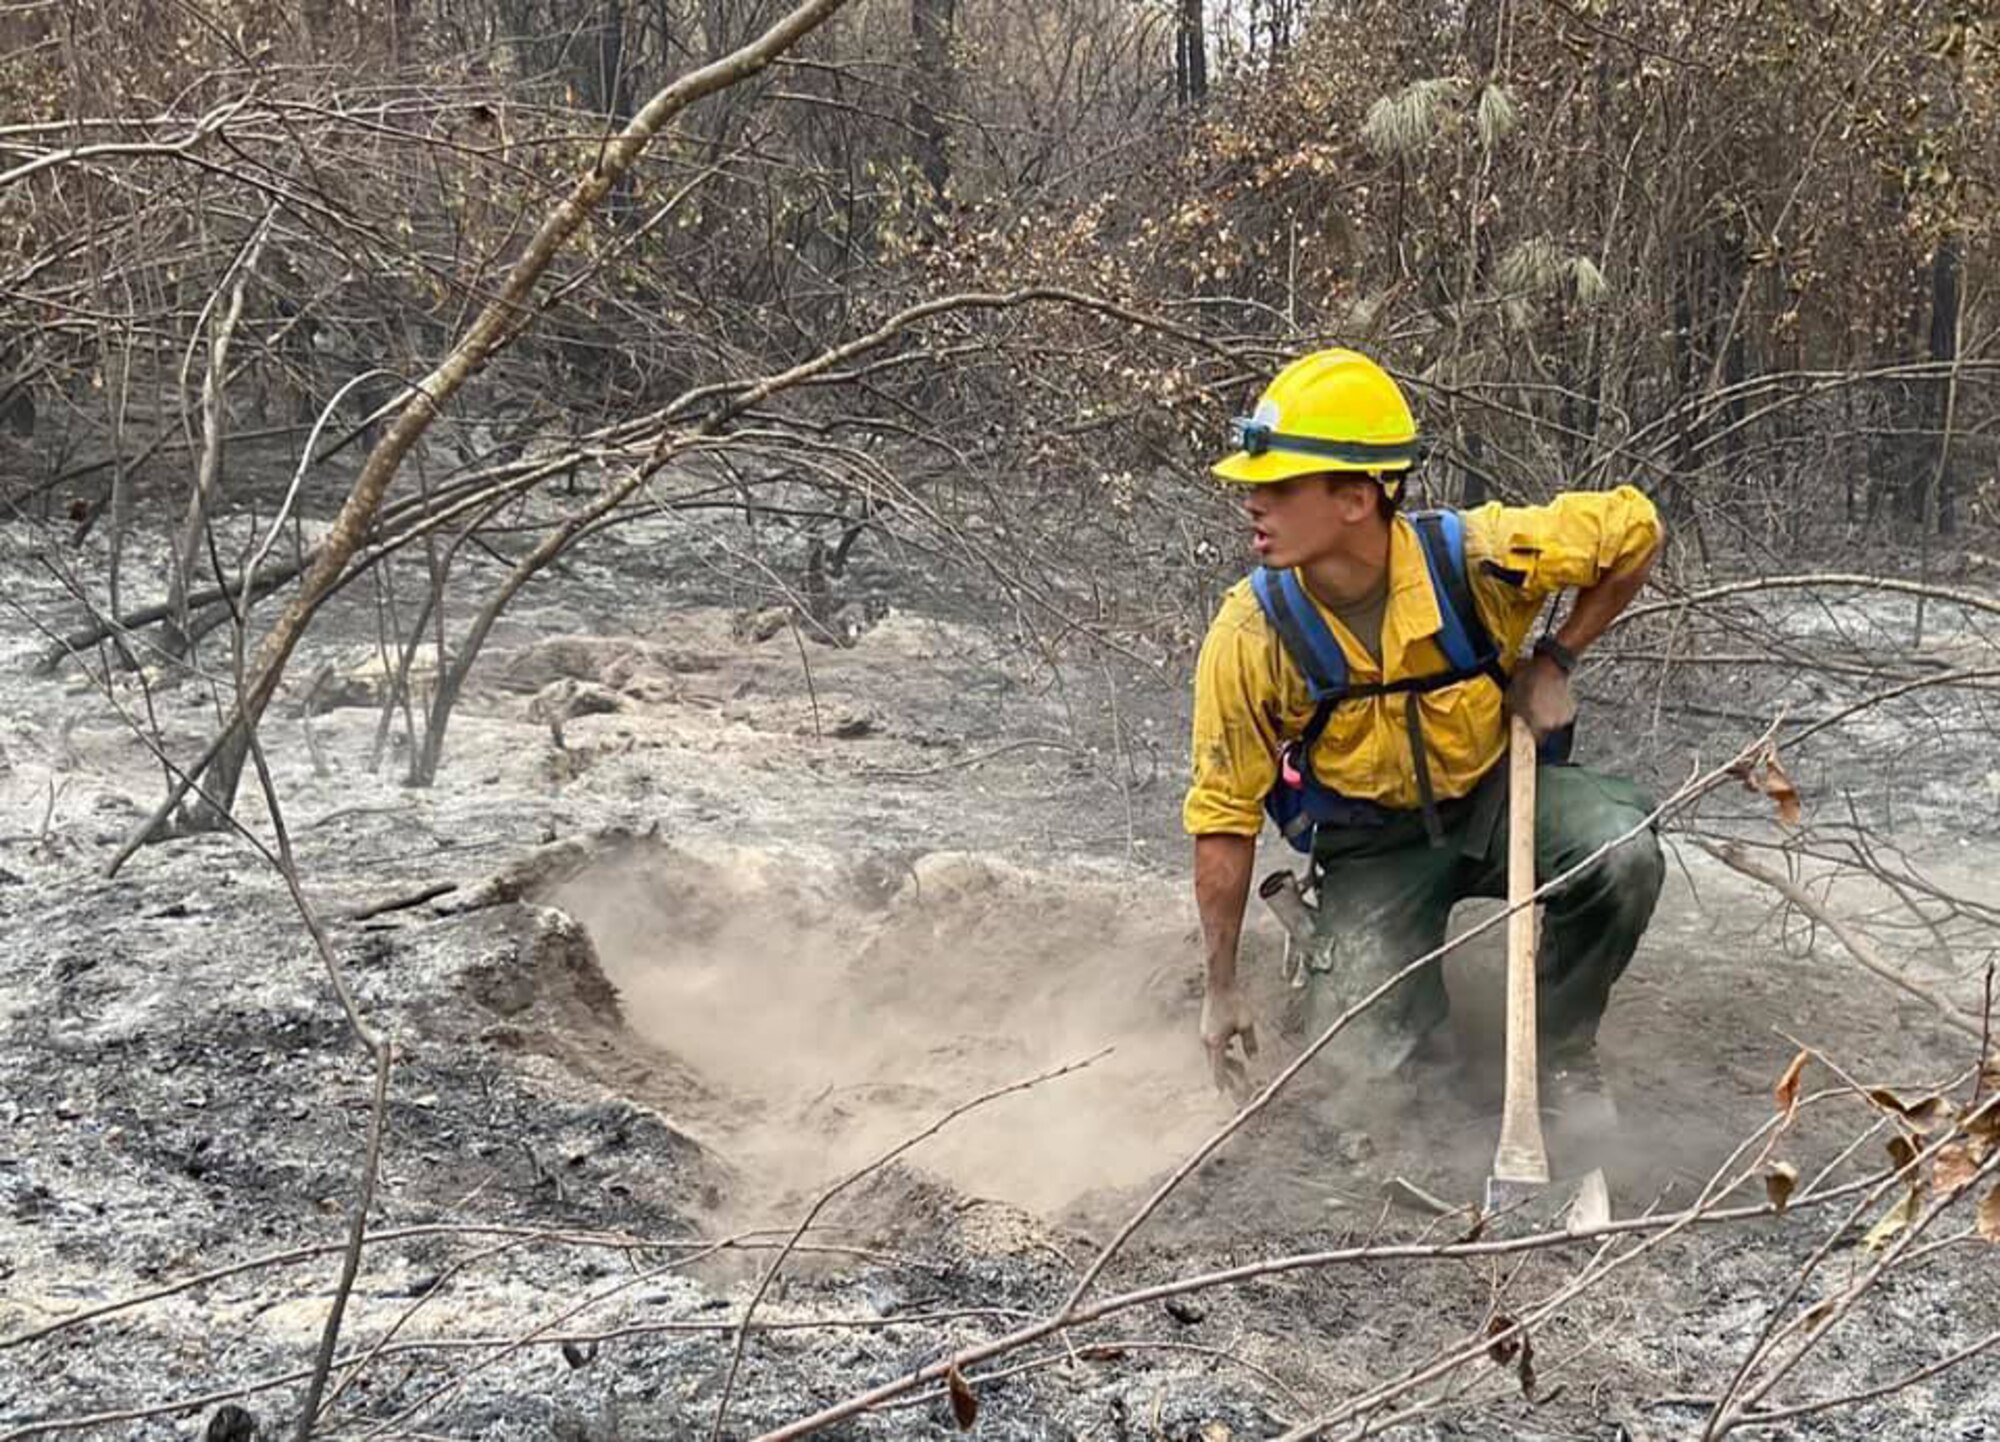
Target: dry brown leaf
<point>1903,1152</point>
<point>1526,1371</point>
<point>1517,1351</point>
<point>1891,1222</point>
<point>1923,1115</point>
<point>964,1404</point>
<point>1954,1168</point>
<point>1767,775</point>
<point>1778,786</point>
<point>1786,1092</point>
<point>1982,1123</point>
<point>1988,1218</point>
<point>1779,1183</point>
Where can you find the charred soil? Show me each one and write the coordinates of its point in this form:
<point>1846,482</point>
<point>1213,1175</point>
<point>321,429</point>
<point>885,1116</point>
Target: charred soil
<point>720,913</point>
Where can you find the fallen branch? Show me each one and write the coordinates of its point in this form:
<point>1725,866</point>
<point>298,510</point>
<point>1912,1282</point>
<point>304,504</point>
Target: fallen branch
<point>401,902</point>
<point>1858,946</point>
<point>1844,580</point>
<point>1308,1261</point>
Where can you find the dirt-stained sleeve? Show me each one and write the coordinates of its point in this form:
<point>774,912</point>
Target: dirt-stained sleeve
<point>1235,741</point>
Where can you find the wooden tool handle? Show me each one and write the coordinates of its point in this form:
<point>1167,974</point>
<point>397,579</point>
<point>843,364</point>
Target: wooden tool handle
<point>1522,1156</point>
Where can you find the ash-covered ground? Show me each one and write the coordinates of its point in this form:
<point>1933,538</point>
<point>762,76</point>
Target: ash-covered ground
<point>731,913</point>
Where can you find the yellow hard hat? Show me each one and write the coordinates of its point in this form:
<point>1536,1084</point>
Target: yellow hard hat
<point>1333,410</point>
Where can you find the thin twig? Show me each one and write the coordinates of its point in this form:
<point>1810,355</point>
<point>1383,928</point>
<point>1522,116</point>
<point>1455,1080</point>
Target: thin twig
<point>805,664</point>
<point>859,1173</point>
<point>1857,945</point>
<point>1701,1214</point>
<point>1764,1417</point>
<point>382,1052</point>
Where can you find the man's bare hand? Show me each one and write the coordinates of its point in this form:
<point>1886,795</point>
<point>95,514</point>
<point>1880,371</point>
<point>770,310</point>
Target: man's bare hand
<point>1540,696</point>
<point>1225,1017</point>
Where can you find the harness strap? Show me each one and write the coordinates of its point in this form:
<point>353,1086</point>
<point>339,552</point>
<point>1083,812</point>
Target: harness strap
<point>1462,635</point>
<point>1413,721</point>
<point>1305,636</point>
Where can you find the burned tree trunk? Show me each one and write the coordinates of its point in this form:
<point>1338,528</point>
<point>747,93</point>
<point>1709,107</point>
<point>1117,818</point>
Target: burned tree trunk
<point>1936,507</point>
<point>1190,54</point>
<point>931,24</point>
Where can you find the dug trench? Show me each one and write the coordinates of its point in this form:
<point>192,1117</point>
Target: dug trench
<point>811,1017</point>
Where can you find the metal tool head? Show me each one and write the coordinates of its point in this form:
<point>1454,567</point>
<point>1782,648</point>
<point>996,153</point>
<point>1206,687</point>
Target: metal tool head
<point>1576,1204</point>
<point>1511,1196</point>
<point>1590,1206</point>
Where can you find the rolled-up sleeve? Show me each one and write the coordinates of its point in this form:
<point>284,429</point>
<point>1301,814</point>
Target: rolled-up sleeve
<point>1577,539</point>
<point>1235,742</point>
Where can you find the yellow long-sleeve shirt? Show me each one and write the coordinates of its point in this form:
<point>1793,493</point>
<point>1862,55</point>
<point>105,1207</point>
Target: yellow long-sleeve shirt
<point>1249,698</point>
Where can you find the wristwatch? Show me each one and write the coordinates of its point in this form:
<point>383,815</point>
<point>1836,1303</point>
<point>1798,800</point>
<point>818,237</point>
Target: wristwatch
<point>1549,646</point>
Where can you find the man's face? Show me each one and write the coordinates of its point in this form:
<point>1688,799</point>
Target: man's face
<point>1296,522</point>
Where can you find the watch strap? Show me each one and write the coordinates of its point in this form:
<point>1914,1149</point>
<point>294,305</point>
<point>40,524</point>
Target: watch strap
<point>1549,646</point>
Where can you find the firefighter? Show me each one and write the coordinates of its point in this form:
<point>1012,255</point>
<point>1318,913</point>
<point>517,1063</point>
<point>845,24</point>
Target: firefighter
<point>1356,690</point>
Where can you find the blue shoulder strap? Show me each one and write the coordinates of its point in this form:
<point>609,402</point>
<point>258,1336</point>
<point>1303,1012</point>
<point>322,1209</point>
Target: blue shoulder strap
<point>1306,637</point>
<point>1462,635</point>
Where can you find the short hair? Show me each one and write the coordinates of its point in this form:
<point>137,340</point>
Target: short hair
<point>1388,491</point>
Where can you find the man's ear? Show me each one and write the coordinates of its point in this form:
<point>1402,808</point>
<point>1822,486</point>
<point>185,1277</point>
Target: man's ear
<point>1355,495</point>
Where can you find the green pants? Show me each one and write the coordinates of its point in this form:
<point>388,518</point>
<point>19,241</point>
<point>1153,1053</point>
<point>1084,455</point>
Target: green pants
<point>1386,894</point>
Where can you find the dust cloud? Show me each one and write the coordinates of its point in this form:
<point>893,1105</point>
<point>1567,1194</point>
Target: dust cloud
<point>833,1016</point>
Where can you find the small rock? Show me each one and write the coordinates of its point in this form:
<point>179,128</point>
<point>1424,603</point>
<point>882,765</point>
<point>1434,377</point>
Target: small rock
<point>231,1424</point>
<point>421,1286</point>
<point>1184,1310</point>
<point>1355,1147</point>
<point>849,725</point>
<point>568,698</point>
<point>760,626</point>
